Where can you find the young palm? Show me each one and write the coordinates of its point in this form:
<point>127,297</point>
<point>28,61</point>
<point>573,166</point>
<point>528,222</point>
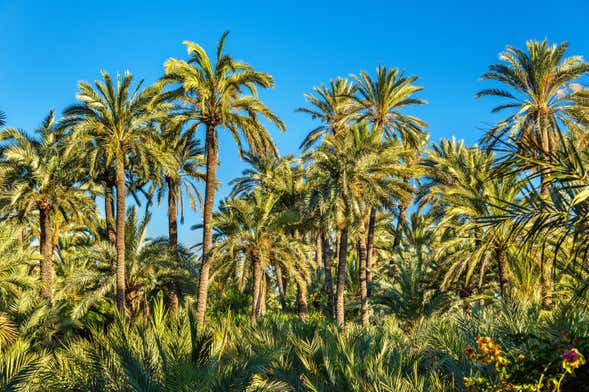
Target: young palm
<point>543,96</point>
<point>222,95</point>
<point>40,178</point>
<point>253,227</point>
<point>114,121</point>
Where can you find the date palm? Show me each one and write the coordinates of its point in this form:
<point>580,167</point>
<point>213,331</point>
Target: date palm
<point>381,101</point>
<point>40,179</point>
<point>252,227</point>
<point>542,97</point>
<point>343,170</point>
<point>333,106</point>
<point>179,180</point>
<point>115,119</point>
<point>220,95</point>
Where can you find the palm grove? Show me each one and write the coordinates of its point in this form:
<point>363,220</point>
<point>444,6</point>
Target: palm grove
<point>373,234</point>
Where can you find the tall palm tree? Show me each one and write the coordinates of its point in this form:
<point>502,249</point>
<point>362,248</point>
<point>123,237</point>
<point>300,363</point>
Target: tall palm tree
<point>333,106</point>
<point>2,118</point>
<point>222,95</point>
<point>541,89</point>
<point>381,102</point>
<point>40,178</point>
<point>115,120</point>
<point>343,170</point>
<point>180,182</point>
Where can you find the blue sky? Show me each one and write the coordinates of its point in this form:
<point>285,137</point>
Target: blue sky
<point>46,47</point>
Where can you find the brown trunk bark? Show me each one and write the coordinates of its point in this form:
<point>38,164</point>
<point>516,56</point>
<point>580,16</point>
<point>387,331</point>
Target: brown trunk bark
<point>256,286</point>
<point>328,278</point>
<point>120,235</point>
<point>341,277</point>
<point>281,288</point>
<point>302,307</point>
<point>173,238</point>
<point>546,266</point>
<point>363,289</point>
<point>318,251</point>
<point>370,262</point>
<point>503,272</point>
<point>46,245</point>
<point>262,296</point>
<point>109,211</point>
<point>207,233</point>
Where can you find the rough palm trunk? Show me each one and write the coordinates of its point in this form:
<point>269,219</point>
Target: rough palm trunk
<point>546,266</point>
<point>281,287</point>
<point>207,233</point>
<point>109,211</point>
<point>503,273</point>
<point>400,222</point>
<point>120,235</point>
<point>363,288</point>
<point>46,245</point>
<point>341,277</point>
<point>262,295</point>
<point>256,286</point>
<point>326,253</point>
<point>173,237</point>
<point>302,307</point>
<point>370,250</point>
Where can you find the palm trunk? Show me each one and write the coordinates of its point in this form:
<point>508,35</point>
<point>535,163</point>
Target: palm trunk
<point>109,211</point>
<point>120,235</point>
<point>46,245</point>
<point>400,222</point>
<point>370,250</point>
<point>326,253</point>
<point>546,266</point>
<point>341,277</point>
<point>302,307</point>
<point>256,286</point>
<point>207,233</point>
<point>281,288</point>
<point>363,289</point>
<point>503,273</point>
<point>173,237</point>
<point>262,296</point>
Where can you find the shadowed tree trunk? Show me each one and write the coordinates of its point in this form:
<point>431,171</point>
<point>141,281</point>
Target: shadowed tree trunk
<point>363,289</point>
<point>120,235</point>
<point>302,307</point>
<point>370,250</point>
<point>326,253</point>
<point>400,221</point>
<point>109,211</point>
<point>207,234</point>
<point>46,245</point>
<point>281,287</point>
<point>256,286</point>
<point>341,277</point>
<point>173,237</point>
<point>262,296</point>
<point>501,255</point>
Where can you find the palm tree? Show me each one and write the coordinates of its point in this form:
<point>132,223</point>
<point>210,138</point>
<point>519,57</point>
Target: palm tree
<point>2,118</point>
<point>251,231</point>
<point>214,96</point>
<point>467,197</point>
<point>189,159</point>
<point>333,106</point>
<point>115,120</point>
<point>381,102</point>
<point>542,96</point>
<point>344,170</point>
<point>40,178</point>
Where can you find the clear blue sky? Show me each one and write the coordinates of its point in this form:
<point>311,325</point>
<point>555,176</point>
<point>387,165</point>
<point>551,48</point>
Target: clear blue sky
<point>46,47</point>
